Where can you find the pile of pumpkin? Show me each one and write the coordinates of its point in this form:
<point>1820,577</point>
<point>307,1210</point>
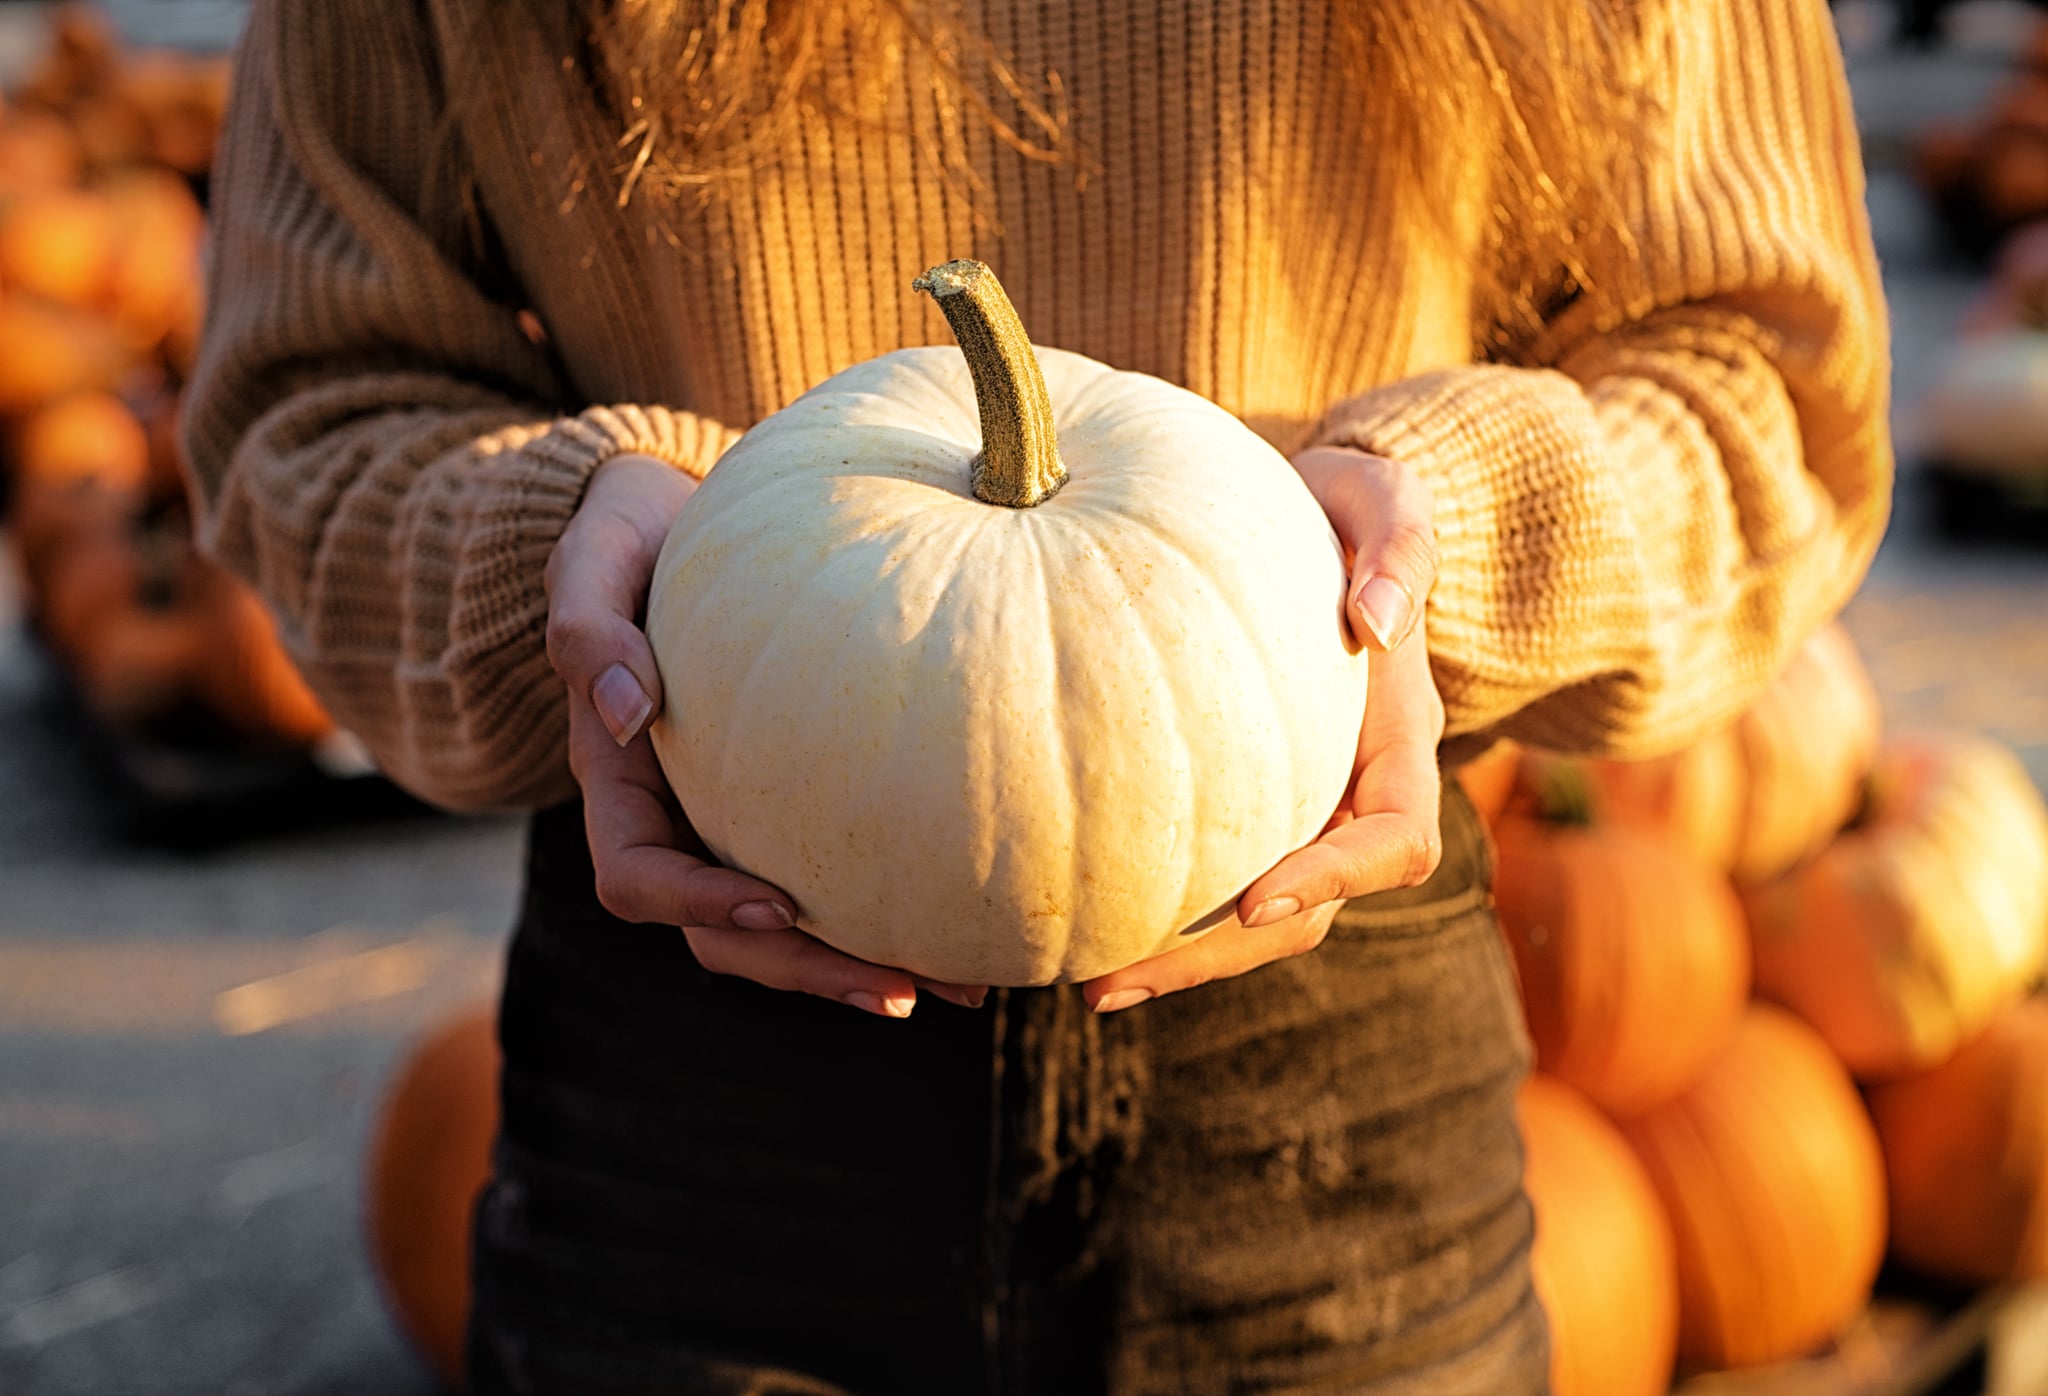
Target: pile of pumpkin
<point>101,228</point>
<point>1780,987</point>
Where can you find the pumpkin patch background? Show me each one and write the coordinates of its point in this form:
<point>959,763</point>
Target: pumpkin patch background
<point>1790,1131</point>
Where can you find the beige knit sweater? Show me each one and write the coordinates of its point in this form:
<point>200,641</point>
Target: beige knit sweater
<point>1638,520</point>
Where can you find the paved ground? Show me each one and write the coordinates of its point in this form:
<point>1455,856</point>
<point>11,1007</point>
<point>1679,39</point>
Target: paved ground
<point>178,1180</point>
<point>178,1176</point>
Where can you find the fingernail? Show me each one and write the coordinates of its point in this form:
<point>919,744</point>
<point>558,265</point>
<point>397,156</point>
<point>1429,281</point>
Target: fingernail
<point>1121,998</point>
<point>762,916</point>
<point>1387,607</point>
<point>883,1005</point>
<point>1271,910</point>
<point>621,702</point>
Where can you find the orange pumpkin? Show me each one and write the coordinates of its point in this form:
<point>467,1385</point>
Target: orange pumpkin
<point>1632,958</point>
<point>153,276</point>
<point>38,152</point>
<point>1770,1172</point>
<point>2011,170</point>
<point>1603,1262</point>
<point>241,672</point>
<point>47,351</point>
<point>162,421</point>
<point>1763,795</point>
<point>180,100</point>
<point>82,457</point>
<point>1918,924</point>
<point>429,1159</point>
<point>1966,1148</point>
<point>88,435</point>
<point>1806,747</point>
<point>59,245</point>
<point>1488,779</point>
<point>1693,798</point>
<point>128,660</point>
<point>112,132</point>
<point>83,51</point>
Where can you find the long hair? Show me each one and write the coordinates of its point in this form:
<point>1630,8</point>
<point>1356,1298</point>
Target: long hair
<point>1537,94</point>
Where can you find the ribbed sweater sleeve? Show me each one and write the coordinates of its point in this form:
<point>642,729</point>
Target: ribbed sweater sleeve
<point>374,442</point>
<point>1641,518</point>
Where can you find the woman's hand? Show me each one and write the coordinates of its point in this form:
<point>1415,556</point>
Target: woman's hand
<point>1386,833</point>
<point>651,866</point>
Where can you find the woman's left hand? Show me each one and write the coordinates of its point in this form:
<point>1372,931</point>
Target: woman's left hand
<point>1385,834</point>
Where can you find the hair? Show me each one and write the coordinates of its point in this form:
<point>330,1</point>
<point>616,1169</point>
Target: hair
<point>706,88</point>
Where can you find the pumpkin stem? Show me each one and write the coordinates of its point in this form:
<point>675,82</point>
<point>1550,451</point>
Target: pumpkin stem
<point>1019,465</point>
<point>1564,794</point>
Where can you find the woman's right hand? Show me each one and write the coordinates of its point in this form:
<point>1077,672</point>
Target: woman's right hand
<point>651,866</point>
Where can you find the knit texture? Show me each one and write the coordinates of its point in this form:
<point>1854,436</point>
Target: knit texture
<point>420,347</point>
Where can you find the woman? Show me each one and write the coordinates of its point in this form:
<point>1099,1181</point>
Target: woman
<point>1568,315</point>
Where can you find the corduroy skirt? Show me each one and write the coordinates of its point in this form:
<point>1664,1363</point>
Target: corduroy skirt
<point>1303,1179</point>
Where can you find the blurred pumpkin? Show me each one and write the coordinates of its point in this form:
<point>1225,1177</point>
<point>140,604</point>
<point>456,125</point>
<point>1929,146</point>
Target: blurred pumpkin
<point>1806,746</point>
<point>65,453</point>
<point>153,280</point>
<point>47,351</point>
<point>1603,1262</point>
<point>1770,1172</point>
<point>1941,157</point>
<point>429,1159</point>
<point>82,52</point>
<point>84,435</point>
<point>1966,1149</point>
<point>2020,105</point>
<point>1632,958</point>
<point>58,244</point>
<point>1912,930</point>
<point>129,660</point>
<point>180,100</point>
<point>1489,778</point>
<point>162,416</point>
<point>2013,181</point>
<point>1692,798</point>
<point>241,672</point>
<point>111,132</point>
<point>38,153</point>
<point>2017,296</point>
<point>128,107</point>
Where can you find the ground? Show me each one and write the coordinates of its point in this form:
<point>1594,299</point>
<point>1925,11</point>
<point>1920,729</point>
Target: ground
<point>179,1177</point>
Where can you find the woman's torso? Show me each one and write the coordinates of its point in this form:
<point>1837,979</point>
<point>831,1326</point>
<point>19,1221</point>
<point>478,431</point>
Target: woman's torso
<point>1230,229</point>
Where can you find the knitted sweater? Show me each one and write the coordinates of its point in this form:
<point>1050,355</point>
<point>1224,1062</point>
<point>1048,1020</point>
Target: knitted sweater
<point>421,344</point>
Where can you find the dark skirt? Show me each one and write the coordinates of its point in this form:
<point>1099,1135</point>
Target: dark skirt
<point>1303,1179</point>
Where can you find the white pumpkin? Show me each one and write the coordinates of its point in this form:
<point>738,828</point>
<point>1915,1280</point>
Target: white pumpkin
<point>993,744</point>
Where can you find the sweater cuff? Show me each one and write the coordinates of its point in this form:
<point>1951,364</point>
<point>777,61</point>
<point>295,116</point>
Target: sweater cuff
<point>579,444</point>
<point>1539,584</point>
<point>524,485</point>
<point>532,481</point>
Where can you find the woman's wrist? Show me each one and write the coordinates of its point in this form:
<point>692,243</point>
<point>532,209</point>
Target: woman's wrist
<point>645,491</point>
<point>659,475</point>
